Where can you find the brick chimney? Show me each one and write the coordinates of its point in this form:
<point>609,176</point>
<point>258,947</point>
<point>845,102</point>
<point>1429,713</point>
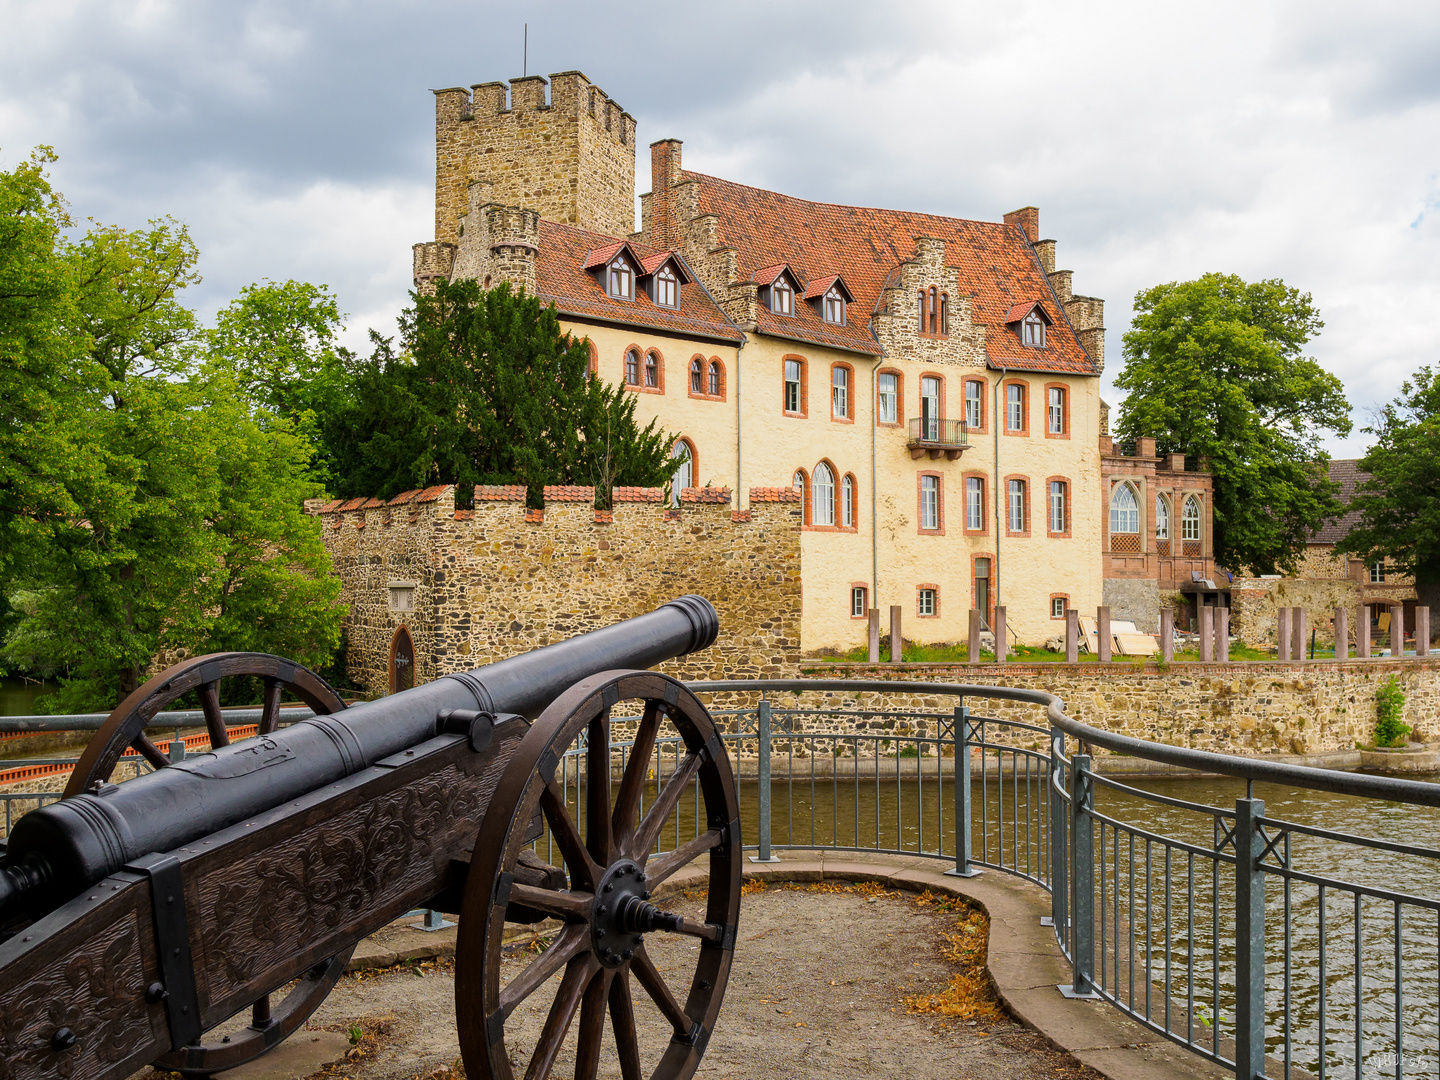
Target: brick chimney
<point>664,225</point>
<point>1028,218</point>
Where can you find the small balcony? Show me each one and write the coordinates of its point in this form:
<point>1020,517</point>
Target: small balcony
<point>935,437</point>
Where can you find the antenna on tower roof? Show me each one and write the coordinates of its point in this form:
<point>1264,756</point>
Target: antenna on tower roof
<point>525,53</point>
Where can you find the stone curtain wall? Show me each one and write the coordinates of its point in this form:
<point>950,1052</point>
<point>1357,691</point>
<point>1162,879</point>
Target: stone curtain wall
<point>499,580</point>
<point>1247,708</point>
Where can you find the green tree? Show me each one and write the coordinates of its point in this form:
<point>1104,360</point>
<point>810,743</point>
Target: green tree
<point>158,506</point>
<point>488,389</point>
<point>1214,369</point>
<point>1399,505</point>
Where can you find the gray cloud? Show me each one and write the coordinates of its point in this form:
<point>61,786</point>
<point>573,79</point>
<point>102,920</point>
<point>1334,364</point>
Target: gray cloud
<point>1291,140</point>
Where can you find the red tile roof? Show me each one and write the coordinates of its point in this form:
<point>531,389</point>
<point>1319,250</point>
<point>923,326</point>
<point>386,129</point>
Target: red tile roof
<point>765,275</point>
<point>1348,474</point>
<point>995,263</point>
<point>561,277</point>
<point>601,255</point>
<point>821,286</point>
<point>1020,310</point>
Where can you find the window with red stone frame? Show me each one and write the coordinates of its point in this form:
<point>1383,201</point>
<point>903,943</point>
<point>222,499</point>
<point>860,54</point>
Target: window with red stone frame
<point>1064,606</point>
<point>889,398</point>
<point>1052,389</point>
<point>971,492</point>
<point>859,605</point>
<point>1066,512</point>
<point>927,600</point>
<point>1017,497</point>
<point>715,387</point>
<point>801,483</point>
<point>842,412</point>
<point>976,406</point>
<point>1014,411</point>
<point>794,386</point>
<point>930,504</point>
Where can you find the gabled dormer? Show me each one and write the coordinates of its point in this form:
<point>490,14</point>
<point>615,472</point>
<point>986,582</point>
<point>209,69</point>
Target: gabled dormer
<point>617,268</point>
<point>779,285</point>
<point>1029,320</point>
<point>830,297</point>
<point>661,277</point>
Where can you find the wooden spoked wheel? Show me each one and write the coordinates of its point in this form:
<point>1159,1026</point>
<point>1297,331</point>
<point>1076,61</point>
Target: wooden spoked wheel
<point>600,954</point>
<point>124,729</point>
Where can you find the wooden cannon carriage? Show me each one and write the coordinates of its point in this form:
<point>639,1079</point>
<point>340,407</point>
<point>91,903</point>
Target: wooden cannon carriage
<point>136,918</point>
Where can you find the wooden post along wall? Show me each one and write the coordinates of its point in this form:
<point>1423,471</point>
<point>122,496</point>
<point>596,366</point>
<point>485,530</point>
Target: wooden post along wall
<point>1422,631</point>
<point>1282,635</point>
<point>1167,635</point>
<point>1342,633</point>
<point>1222,634</point>
<point>1001,647</point>
<point>873,615</point>
<point>1072,635</point>
<point>1297,634</point>
<point>1102,634</point>
<point>974,654</point>
<point>1397,629</point>
<point>1362,632</point>
<point>1207,633</point>
<point>897,643</point>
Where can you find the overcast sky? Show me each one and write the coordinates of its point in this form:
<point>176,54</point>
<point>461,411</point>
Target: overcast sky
<point>1160,141</point>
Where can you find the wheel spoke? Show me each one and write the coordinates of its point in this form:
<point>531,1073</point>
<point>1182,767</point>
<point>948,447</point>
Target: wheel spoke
<point>597,789</point>
<point>654,985</point>
<point>665,865</point>
<point>583,870</point>
<point>271,715</point>
<point>592,1026</point>
<point>150,752</point>
<point>632,784</point>
<point>214,719</point>
<point>570,942</point>
<point>654,820</point>
<point>565,905</point>
<point>622,1022</point>
<point>562,1011</point>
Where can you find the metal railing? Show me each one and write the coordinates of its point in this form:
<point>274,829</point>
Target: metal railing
<point>1267,945</point>
<point>933,431</point>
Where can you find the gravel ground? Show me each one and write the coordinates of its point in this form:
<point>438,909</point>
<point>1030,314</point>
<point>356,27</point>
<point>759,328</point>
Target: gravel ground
<point>828,980</point>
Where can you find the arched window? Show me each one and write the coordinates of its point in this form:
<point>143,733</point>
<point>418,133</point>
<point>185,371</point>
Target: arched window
<point>1162,525</point>
<point>632,368</point>
<point>944,313</point>
<point>667,288</point>
<point>402,661</point>
<point>1190,525</point>
<point>652,371</point>
<point>847,501</point>
<point>782,297</point>
<point>620,279</point>
<point>1124,520</point>
<point>697,377</point>
<point>684,475</point>
<point>714,378</point>
<point>930,407</point>
<point>934,310</point>
<point>834,307</point>
<point>802,486</point>
<point>822,500</point>
<point>1032,330</point>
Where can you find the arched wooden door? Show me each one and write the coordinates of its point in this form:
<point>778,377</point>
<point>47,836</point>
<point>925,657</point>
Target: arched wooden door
<point>402,661</point>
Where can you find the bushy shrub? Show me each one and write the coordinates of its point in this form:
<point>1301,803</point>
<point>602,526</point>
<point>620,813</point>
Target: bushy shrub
<point>1390,730</point>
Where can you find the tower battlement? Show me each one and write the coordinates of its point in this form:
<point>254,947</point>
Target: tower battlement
<point>570,157</point>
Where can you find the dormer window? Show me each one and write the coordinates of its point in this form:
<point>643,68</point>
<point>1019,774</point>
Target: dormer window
<point>666,288</point>
<point>782,297</point>
<point>834,307</point>
<point>1032,330</point>
<point>620,279</point>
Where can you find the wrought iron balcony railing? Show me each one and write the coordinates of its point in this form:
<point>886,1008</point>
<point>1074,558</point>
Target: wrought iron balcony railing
<point>934,436</point>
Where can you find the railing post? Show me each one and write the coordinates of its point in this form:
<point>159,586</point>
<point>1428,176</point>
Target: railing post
<point>1249,941</point>
<point>1082,878</point>
<point>964,840</point>
<point>762,723</point>
<point>1059,842</point>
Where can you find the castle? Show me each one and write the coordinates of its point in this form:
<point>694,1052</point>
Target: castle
<point>928,386</point>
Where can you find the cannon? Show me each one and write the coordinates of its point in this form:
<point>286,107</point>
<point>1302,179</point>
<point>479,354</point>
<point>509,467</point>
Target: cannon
<point>146,922</point>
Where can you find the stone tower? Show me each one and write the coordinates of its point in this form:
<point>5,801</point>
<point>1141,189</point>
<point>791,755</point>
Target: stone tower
<point>571,159</point>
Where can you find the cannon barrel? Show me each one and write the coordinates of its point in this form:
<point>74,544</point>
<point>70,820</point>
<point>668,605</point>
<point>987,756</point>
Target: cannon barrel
<point>60,849</point>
